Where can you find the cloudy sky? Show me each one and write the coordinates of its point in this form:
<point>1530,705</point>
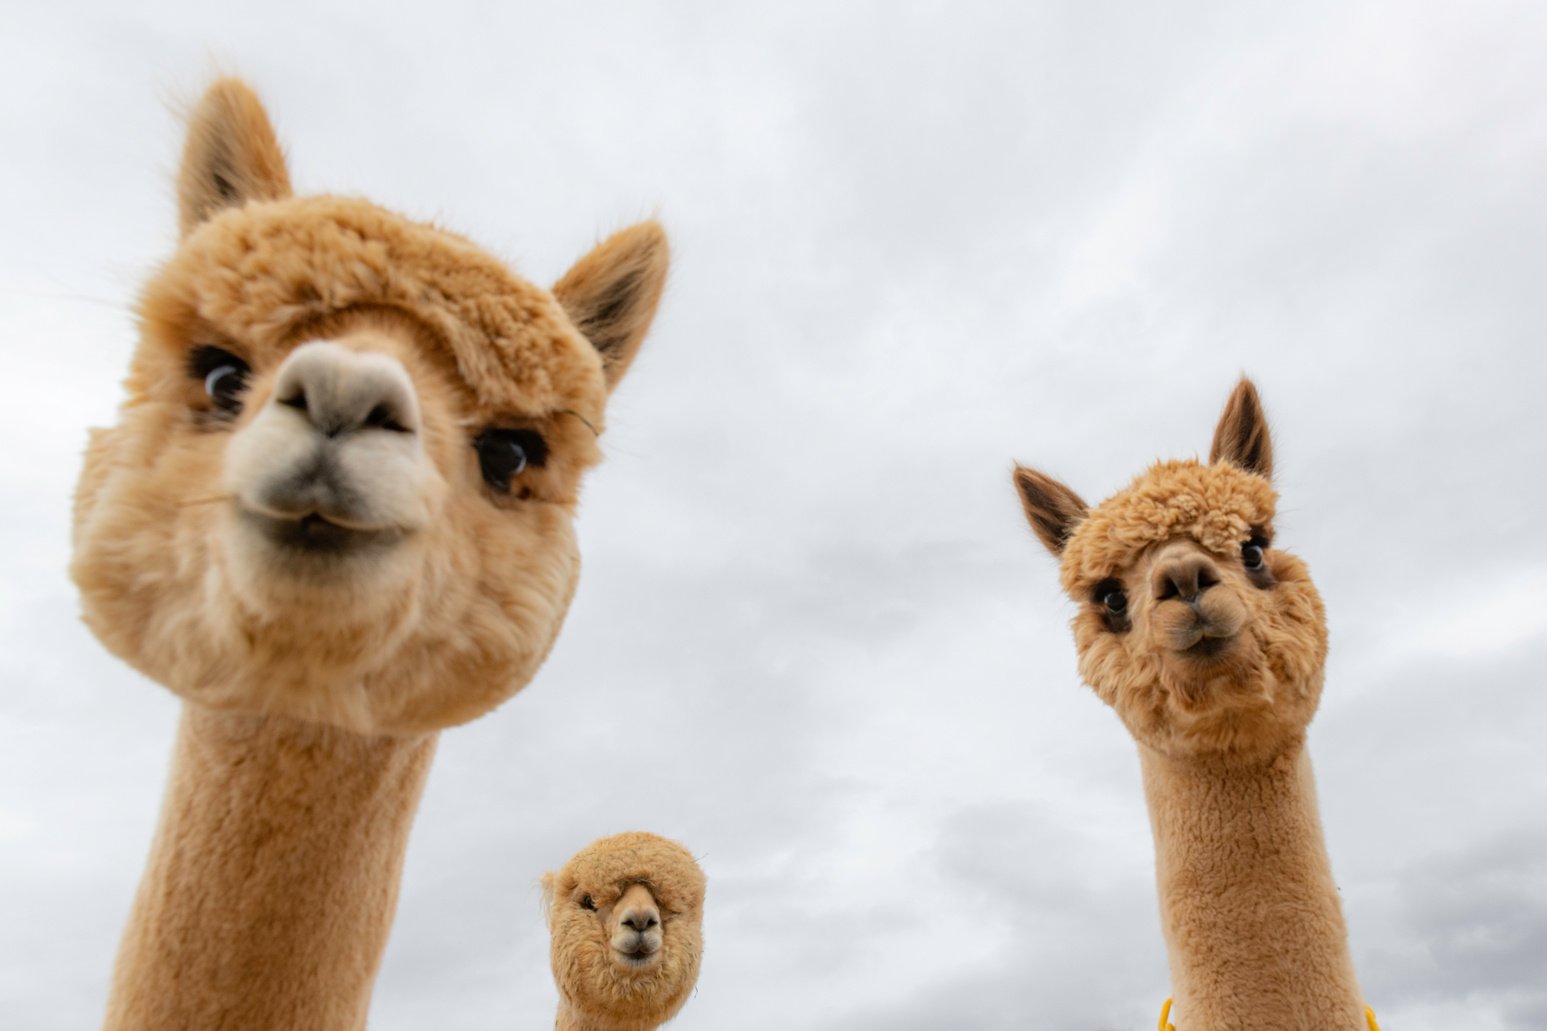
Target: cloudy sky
<point>913,242</point>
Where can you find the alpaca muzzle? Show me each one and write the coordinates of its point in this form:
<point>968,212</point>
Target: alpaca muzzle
<point>335,460</point>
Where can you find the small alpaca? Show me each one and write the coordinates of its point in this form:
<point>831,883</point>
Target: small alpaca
<point>1210,644</point>
<point>626,915</point>
<point>335,517</point>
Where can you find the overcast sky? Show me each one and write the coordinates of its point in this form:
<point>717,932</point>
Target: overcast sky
<point>912,243</point>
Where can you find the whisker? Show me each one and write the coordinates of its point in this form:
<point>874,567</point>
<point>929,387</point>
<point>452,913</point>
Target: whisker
<point>205,501</point>
<point>65,295</point>
<point>570,411</point>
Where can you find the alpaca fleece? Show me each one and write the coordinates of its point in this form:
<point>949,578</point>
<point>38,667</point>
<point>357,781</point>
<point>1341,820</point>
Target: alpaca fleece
<point>291,527</point>
<point>597,991</point>
<point>471,605</point>
<point>259,271</point>
<point>1210,645</point>
<point>1247,709</point>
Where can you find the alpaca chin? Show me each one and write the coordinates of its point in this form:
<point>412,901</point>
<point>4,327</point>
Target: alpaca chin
<point>287,570</point>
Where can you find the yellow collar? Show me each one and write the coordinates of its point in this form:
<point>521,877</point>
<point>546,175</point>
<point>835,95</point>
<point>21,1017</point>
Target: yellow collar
<point>1165,1012</point>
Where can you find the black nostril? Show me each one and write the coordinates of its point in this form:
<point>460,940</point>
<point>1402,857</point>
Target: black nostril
<point>381,417</point>
<point>342,393</point>
<point>640,923</point>
<point>1185,580</point>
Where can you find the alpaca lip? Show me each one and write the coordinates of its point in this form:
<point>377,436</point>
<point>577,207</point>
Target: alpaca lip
<point>317,534</point>
<point>1208,647</point>
<point>642,957</point>
<point>1203,642</point>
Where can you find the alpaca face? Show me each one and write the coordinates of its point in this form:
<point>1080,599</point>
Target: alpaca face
<point>342,485</point>
<point>1204,637</point>
<point>626,915</point>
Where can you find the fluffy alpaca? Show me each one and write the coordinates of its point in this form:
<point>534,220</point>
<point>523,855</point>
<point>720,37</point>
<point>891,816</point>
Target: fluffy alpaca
<point>626,915</point>
<point>1210,643</point>
<point>335,516</point>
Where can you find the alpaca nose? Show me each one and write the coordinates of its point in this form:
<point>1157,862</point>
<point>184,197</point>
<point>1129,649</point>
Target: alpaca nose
<point>1183,577</point>
<point>341,391</point>
<point>641,919</point>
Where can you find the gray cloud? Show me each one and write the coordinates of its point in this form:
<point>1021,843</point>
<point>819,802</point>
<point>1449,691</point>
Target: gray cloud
<point>911,244</point>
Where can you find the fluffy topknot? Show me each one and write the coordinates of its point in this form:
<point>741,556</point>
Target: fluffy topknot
<point>638,857</point>
<point>1218,505</point>
<point>264,268</point>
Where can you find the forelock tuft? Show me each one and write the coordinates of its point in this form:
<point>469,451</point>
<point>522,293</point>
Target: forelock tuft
<point>1217,505</point>
<point>268,267</point>
<point>670,870</point>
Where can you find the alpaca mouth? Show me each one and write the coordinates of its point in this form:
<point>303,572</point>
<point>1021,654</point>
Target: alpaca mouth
<point>316,534</point>
<point>638,960</point>
<point>1208,648</point>
<point>1203,643</point>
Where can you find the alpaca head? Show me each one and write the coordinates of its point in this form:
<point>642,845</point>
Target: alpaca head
<point>1206,639</point>
<point>342,484</point>
<point>626,916</point>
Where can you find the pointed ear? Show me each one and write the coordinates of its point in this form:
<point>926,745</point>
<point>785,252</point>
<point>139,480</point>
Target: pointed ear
<point>550,884</point>
<point>1241,438</point>
<point>232,155</point>
<point>1052,509</point>
<point>610,295</point>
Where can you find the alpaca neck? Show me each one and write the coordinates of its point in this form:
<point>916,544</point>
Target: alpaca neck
<point>273,877</point>
<point>571,1018</point>
<point>1247,901</point>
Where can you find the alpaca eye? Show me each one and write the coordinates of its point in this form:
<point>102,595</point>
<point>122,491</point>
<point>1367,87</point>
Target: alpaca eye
<point>504,453</point>
<point>1111,596</point>
<point>1252,554</point>
<point>587,902</point>
<point>1112,601</point>
<point>224,376</point>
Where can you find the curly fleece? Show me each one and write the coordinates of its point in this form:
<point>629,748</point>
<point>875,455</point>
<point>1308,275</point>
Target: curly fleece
<point>1217,505</point>
<point>315,691</point>
<point>636,857</point>
<point>1249,909</point>
<point>270,266</point>
<point>604,994</point>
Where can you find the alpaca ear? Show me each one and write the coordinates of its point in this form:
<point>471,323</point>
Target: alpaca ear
<point>611,294</point>
<point>550,885</point>
<point>1241,438</point>
<point>232,155</point>
<point>1052,509</point>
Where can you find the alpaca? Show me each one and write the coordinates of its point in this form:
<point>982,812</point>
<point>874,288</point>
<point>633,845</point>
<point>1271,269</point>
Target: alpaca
<point>334,517</point>
<point>1210,644</point>
<point>626,915</point>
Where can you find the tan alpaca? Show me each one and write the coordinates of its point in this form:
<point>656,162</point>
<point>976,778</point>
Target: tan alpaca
<point>335,517</point>
<point>626,916</point>
<point>1210,644</point>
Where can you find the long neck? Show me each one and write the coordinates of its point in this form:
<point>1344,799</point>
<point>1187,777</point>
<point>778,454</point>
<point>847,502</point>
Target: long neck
<point>273,877</point>
<point>1247,901</point>
<point>571,1018</point>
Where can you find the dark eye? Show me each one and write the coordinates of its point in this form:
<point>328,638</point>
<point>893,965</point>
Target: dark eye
<point>587,902</point>
<point>504,453</point>
<point>224,376</point>
<point>1111,596</point>
<point>1252,553</point>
